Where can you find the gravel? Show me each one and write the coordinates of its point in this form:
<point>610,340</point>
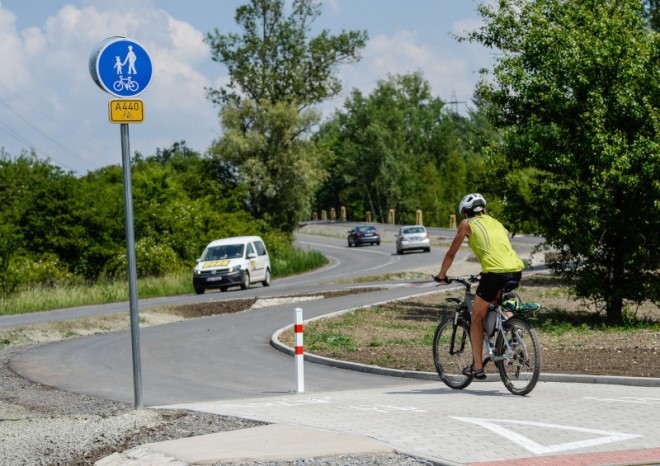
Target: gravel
<point>44,426</point>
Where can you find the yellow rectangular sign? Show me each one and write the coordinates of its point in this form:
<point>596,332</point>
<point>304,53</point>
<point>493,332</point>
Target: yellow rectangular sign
<point>126,111</point>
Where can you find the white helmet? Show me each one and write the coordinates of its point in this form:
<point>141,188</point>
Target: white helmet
<point>474,202</point>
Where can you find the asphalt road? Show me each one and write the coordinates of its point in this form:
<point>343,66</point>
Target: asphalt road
<point>226,356</point>
<point>196,364</point>
<point>345,264</point>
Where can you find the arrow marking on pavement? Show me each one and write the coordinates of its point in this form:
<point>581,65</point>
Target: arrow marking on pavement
<point>494,425</point>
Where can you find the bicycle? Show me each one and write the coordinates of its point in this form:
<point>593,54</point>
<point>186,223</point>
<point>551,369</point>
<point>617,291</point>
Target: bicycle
<point>125,83</point>
<point>516,351</point>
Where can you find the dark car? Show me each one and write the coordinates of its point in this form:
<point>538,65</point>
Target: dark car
<point>363,234</point>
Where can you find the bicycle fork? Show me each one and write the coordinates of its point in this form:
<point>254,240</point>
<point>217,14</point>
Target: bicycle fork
<point>461,345</point>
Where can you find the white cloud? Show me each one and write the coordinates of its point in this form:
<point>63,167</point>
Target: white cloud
<point>462,27</point>
<point>188,42</point>
<point>404,53</point>
<point>55,106</point>
<point>332,6</point>
<point>45,78</point>
<point>14,69</point>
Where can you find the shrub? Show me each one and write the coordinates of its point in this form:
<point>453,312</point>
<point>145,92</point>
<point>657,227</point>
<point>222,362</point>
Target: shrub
<point>152,259</point>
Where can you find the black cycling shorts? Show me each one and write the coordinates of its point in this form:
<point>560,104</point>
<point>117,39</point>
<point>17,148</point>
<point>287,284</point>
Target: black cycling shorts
<point>491,283</point>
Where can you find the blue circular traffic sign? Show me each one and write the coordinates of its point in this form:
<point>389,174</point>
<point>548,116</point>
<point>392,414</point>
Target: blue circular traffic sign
<point>120,66</point>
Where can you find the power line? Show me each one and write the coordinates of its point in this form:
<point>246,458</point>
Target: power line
<point>454,102</point>
<point>38,110</point>
<point>49,117</point>
<point>14,134</point>
<point>44,134</point>
<point>27,143</point>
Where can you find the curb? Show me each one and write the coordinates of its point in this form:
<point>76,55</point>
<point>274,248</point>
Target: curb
<point>560,378</point>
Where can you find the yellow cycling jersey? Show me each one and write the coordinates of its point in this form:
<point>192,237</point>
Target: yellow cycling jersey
<point>490,243</point>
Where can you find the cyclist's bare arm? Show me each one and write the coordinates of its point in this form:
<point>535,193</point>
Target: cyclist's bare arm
<point>463,232</point>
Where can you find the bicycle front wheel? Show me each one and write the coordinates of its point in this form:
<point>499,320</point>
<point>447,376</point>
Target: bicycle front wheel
<point>521,367</point>
<point>452,351</point>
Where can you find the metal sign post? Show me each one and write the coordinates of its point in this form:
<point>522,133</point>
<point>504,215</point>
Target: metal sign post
<point>132,265</point>
<point>113,58</point>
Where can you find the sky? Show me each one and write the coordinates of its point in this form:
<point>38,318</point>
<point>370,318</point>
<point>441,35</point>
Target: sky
<point>50,104</point>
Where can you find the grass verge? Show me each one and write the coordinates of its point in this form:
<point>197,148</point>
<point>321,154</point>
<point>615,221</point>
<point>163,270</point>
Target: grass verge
<point>399,334</point>
<point>43,298</point>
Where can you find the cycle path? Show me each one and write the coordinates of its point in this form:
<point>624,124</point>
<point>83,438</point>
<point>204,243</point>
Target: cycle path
<point>599,421</point>
<point>559,423</point>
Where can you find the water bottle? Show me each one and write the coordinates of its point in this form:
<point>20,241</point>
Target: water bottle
<point>490,322</point>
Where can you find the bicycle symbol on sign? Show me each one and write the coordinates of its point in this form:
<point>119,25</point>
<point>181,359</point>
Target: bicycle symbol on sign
<point>125,83</point>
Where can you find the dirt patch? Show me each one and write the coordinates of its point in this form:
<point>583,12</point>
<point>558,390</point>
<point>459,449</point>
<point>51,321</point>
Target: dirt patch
<point>57,331</point>
<point>189,311</point>
<point>399,335</point>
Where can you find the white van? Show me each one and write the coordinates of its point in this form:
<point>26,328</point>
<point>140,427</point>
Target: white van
<point>232,261</point>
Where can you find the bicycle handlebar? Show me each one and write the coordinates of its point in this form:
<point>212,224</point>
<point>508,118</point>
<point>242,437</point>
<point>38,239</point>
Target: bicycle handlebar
<point>466,281</point>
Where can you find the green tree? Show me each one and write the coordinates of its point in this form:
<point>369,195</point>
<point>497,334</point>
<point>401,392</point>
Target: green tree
<point>274,60</point>
<point>10,240</point>
<point>653,13</point>
<point>54,225</point>
<point>399,148</point>
<point>102,192</point>
<point>43,203</point>
<point>277,72</point>
<point>575,91</point>
<point>280,169</point>
<point>431,196</point>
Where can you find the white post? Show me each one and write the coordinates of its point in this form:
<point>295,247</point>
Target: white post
<point>298,342</point>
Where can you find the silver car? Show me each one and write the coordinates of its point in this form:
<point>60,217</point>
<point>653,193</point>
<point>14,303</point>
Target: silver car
<point>412,237</point>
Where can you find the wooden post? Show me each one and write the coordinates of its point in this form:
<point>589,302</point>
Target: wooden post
<point>343,213</point>
<point>420,218</point>
<point>324,215</point>
<point>368,216</point>
<point>391,217</point>
<point>333,214</point>
<point>452,221</point>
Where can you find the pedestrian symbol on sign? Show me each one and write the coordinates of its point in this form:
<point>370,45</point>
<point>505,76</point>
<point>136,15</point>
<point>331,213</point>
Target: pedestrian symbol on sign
<point>131,58</point>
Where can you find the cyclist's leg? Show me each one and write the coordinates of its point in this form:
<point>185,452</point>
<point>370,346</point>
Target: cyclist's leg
<point>479,310</point>
<point>487,293</point>
<point>514,276</point>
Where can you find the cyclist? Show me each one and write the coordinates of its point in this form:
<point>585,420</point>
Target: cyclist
<point>489,241</point>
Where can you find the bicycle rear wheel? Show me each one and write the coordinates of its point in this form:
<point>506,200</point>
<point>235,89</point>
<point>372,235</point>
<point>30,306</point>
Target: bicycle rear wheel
<point>521,369</point>
<point>452,351</point>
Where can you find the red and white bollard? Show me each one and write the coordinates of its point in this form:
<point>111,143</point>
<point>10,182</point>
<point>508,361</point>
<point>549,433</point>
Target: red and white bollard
<point>299,350</point>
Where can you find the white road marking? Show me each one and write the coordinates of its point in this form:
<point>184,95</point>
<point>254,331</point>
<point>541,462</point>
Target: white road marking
<point>367,249</point>
<point>495,425</point>
<point>379,408</point>
<point>392,260</point>
<point>214,407</point>
<point>626,399</point>
<point>293,402</point>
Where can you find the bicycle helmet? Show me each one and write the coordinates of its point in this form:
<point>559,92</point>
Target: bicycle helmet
<point>472,203</point>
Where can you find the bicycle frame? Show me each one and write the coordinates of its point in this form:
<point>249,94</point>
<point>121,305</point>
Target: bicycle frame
<point>499,325</point>
<point>468,299</point>
<point>514,347</point>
